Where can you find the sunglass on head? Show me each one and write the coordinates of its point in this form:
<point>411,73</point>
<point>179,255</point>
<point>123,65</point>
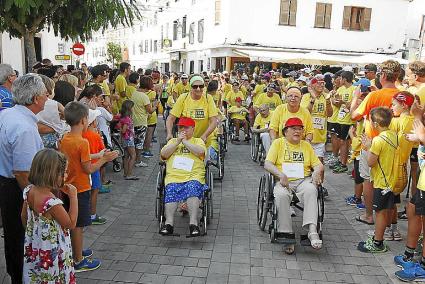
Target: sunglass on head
<point>198,86</point>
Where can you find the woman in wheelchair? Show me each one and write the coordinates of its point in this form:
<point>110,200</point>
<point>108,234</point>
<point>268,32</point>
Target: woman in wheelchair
<point>185,175</point>
<point>291,160</point>
<point>261,125</point>
<point>238,116</point>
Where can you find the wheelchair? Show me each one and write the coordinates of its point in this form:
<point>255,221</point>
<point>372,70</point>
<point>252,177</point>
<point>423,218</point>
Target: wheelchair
<point>116,146</point>
<point>219,162</point>
<point>266,208</point>
<point>258,153</point>
<point>206,204</point>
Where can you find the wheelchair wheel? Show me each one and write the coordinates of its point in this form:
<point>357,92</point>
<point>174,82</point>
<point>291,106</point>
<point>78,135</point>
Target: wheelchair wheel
<point>204,217</point>
<point>116,146</point>
<point>254,147</point>
<point>262,205</point>
<point>321,208</point>
<point>209,197</point>
<point>273,225</point>
<point>116,166</point>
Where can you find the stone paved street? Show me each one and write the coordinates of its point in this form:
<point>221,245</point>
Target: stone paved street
<point>235,250</point>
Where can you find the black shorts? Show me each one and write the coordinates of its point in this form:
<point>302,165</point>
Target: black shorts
<point>139,136</point>
<point>357,178</point>
<point>387,201</point>
<point>414,155</point>
<point>342,131</point>
<point>419,201</point>
<point>332,127</point>
<point>83,218</point>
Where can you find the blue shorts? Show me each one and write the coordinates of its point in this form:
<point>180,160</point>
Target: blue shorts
<point>128,142</point>
<point>83,218</point>
<point>96,182</point>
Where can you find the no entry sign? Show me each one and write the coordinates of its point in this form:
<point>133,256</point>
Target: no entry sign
<point>78,49</point>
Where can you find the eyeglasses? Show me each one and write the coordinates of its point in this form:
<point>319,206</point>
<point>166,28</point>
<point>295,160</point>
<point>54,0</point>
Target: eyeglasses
<point>262,110</point>
<point>198,87</point>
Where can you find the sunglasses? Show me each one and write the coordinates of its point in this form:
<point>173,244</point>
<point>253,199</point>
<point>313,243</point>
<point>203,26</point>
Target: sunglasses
<point>197,87</point>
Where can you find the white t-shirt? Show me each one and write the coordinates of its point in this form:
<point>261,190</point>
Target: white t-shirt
<point>102,123</point>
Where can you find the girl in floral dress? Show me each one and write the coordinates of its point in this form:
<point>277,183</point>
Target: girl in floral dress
<point>47,251</point>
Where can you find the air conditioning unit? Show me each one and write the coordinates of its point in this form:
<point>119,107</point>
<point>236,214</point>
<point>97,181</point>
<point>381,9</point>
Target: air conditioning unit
<point>413,43</point>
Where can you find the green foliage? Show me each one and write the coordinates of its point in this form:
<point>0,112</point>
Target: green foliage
<point>113,51</point>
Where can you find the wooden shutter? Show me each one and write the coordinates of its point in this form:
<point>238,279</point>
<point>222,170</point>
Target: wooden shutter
<point>217,11</point>
<point>367,13</point>
<point>320,15</point>
<point>346,19</point>
<point>293,13</point>
<point>284,12</point>
<point>328,16</point>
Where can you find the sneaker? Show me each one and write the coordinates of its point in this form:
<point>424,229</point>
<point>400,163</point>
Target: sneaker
<point>388,234</point>
<point>369,246</point>
<point>194,230</point>
<point>167,229</point>
<point>360,206</point>
<point>87,264</point>
<point>341,169</point>
<point>141,165</point>
<point>402,215</point>
<point>334,165</point>
<point>353,201</point>
<point>147,154</point>
<point>104,189</point>
<point>414,273</point>
<point>403,263</point>
<point>370,233</point>
<point>154,140</point>
<point>98,220</point>
<point>397,235</point>
<point>87,253</point>
<point>293,214</point>
<point>325,192</point>
<point>349,197</point>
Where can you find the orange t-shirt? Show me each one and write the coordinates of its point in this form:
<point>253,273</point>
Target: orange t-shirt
<point>379,98</point>
<point>77,150</point>
<point>95,142</point>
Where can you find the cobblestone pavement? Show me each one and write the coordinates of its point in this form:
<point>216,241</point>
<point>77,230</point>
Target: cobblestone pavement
<point>235,250</point>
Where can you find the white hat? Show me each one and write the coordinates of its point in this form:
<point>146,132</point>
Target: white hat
<point>302,78</point>
<point>306,70</point>
<point>184,76</point>
<point>347,68</point>
<point>93,113</point>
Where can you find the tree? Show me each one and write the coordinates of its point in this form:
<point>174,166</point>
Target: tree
<point>70,19</point>
<point>113,50</point>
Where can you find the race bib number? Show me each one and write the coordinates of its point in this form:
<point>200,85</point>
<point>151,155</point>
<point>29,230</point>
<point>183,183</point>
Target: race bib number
<point>266,125</point>
<point>198,114</point>
<point>318,122</point>
<point>342,113</point>
<point>293,170</point>
<point>183,163</point>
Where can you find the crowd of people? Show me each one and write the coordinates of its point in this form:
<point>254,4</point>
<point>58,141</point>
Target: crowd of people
<point>56,137</point>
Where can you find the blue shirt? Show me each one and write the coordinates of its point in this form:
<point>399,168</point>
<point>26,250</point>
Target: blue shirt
<point>6,98</point>
<point>19,140</point>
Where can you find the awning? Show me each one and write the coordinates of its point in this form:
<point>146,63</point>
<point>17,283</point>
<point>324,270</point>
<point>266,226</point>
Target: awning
<point>317,58</point>
<point>377,58</point>
<point>267,55</point>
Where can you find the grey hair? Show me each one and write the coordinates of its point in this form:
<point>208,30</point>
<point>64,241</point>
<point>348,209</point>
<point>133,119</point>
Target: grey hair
<point>5,71</point>
<point>26,87</point>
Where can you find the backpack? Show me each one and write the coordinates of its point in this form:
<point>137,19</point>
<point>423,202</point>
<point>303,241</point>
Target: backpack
<point>397,182</point>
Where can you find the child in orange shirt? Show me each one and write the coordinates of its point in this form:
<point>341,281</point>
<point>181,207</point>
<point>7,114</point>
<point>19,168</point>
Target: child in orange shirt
<point>77,151</point>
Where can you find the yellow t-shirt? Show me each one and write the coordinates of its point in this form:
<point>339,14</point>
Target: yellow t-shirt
<point>140,115</point>
<point>281,151</point>
<point>403,125</point>
<point>199,110</point>
<point>356,144</point>
<point>120,84</point>
<point>346,95</point>
<point>282,114</point>
<point>231,97</point>
<point>237,112</point>
<point>227,88</point>
<point>273,102</point>
<point>385,153</point>
<point>318,114</point>
<point>152,118</point>
<point>244,91</point>
<point>259,89</point>
<point>216,97</point>
<point>419,91</point>
<point>179,88</point>
<point>170,102</point>
<point>176,173</point>
<point>105,88</point>
<point>262,122</point>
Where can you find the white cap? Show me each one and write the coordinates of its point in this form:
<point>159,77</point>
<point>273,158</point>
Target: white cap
<point>306,70</point>
<point>93,113</point>
<point>184,76</point>
<point>347,68</point>
<point>302,78</point>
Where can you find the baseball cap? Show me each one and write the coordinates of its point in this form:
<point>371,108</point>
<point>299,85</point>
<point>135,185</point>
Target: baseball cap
<point>306,70</point>
<point>186,121</point>
<point>371,68</point>
<point>93,113</point>
<point>294,121</point>
<point>405,97</point>
<point>184,76</point>
<point>238,99</point>
<point>302,78</point>
<point>362,82</point>
<point>244,77</point>
<point>318,78</point>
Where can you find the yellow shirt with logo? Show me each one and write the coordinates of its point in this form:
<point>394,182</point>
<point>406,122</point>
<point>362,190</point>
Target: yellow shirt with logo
<point>199,110</point>
<point>231,97</point>
<point>177,175</point>
<point>346,95</point>
<point>170,102</point>
<point>237,112</point>
<point>227,88</point>
<point>385,153</point>
<point>179,88</point>
<point>152,119</point>
<point>318,114</point>
<point>259,89</point>
<point>140,115</point>
<point>244,91</point>
<point>281,151</point>
<point>356,143</point>
<point>282,114</point>
<point>403,125</point>
<point>273,102</point>
<point>261,122</point>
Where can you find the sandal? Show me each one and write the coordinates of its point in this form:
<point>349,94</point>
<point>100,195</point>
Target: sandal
<point>359,219</point>
<point>132,178</point>
<point>289,249</point>
<point>315,241</point>
<point>108,182</point>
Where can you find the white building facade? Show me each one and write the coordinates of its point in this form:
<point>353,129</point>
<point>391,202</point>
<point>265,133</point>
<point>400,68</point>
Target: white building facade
<point>202,35</point>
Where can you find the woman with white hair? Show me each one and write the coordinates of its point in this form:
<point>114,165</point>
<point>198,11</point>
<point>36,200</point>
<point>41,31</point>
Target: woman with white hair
<point>7,76</point>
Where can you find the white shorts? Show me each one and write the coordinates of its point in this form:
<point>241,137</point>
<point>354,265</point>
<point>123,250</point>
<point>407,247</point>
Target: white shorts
<point>364,169</point>
<point>319,149</point>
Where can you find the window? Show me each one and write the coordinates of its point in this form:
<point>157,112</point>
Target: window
<point>288,12</point>
<point>167,27</point>
<point>184,27</point>
<point>356,18</point>
<point>192,33</point>
<point>201,65</point>
<point>162,37</point>
<point>155,46</point>
<point>146,46</point>
<point>141,47</point>
<point>134,48</point>
<point>201,30</point>
<point>151,46</point>
<point>191,67</point>
<point>323,15</point>
<point>175,27</point>
<point>217,12</point>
